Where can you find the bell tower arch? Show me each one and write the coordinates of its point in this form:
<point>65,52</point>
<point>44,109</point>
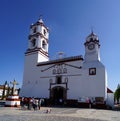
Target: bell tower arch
<point>38,41</point>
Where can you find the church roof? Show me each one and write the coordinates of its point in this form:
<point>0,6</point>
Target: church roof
<point>68,59</point>
<point>1,86</point>
<point>109,90</point>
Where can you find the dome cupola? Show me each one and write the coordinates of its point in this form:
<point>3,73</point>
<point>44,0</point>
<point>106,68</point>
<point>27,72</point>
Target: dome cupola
<point>92,38</point>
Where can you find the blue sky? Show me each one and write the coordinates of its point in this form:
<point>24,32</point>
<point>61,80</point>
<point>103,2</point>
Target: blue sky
<point>70,22</point>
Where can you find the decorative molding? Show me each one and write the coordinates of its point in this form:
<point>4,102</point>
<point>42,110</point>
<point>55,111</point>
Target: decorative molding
<point>60,68</point>
<point>92,71</point>
<point>61,75</point>
<point>61,61</point>
<point>41,24</point>
<point>47,68</point>
<point>94,41</point>
<point>34,50</point>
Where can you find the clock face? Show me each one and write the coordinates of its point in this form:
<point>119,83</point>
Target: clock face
<point>91,46</point>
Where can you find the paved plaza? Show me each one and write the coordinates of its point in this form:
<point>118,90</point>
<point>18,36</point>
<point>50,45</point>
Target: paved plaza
<point>58,114</point>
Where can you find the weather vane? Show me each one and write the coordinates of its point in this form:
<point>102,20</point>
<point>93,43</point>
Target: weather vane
<point>40,16</point>
<point>91,29</point>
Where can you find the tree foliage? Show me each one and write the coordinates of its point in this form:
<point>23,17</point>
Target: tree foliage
<point>117,93</point>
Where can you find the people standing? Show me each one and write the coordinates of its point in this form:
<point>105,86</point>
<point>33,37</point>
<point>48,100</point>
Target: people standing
<point>30,103</point>
<point>22,102</point>
<point>36,104</point>
<point>39,104</point>
<point>33,104</point>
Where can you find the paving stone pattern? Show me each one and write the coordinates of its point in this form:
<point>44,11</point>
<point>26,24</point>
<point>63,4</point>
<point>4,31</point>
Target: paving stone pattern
<point>58,114</point>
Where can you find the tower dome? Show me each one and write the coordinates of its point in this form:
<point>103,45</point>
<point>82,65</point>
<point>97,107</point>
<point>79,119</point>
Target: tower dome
<point>92,37</point>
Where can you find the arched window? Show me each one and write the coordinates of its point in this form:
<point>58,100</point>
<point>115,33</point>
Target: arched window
<point>44,31</point>
<point>44,45</point>
<point>33,42</point>
<point>65,70</point>
<point>34,30</point>
<point>54,71</point>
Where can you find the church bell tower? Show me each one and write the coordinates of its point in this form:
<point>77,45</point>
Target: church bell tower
<point>36,52</point>
<point>38,41</point>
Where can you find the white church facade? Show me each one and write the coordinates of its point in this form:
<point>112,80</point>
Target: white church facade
<point>72,79</point>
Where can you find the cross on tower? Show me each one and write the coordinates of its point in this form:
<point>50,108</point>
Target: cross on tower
<point>14,83</point>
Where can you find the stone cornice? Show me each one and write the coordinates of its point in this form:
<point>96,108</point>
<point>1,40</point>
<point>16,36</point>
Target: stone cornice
<point>41,24</point>
<point>68,59</point>
<point>36,35</point>
<point>34,50</point>
<point>94,41</point>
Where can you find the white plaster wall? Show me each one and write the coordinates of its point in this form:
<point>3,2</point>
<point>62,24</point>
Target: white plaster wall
<point>29,67</point>
<point>41,58</point>
<point>47,75</point>
<point>36,83</point>
<point>97,84</point>
<point>76,87</point>
<point>32,84</point>
<point>39,28</point>
<point>12,103</point>
<point>38,42</point>
<point>91,55</point>
<point>29,73</point>
<point>89,85</point>
<point>80,83</point>
<point>110,99</point>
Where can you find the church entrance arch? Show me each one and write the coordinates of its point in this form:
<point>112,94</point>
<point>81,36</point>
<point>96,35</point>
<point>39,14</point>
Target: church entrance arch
<point>58,94</point>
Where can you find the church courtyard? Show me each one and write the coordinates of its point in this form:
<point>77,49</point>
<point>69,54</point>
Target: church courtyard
<point>58,114</point>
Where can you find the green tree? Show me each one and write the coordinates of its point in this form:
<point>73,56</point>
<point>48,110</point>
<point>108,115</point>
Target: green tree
<point>117,93</point>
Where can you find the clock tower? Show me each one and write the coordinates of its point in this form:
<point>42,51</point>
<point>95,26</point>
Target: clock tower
<point>92,48</point>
